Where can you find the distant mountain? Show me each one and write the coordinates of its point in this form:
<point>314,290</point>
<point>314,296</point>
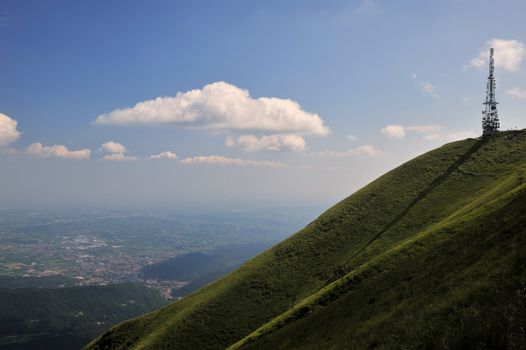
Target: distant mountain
<point>429,256</point>
<point>67,318</point>
<point>199,268</point>
<point>183,267</point>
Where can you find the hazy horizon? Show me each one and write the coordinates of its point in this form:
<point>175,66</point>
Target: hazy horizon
<point>186,105</point>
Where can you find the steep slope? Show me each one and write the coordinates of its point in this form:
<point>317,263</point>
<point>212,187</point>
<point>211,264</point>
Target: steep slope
<point>67,318</point>
<point>457,284</point>
<point>412,232</point>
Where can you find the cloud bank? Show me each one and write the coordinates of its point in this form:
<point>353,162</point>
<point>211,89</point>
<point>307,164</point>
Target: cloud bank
<point>220,160</point>
<point>118,157</point>
<point>363,150</point>
<point>8,131</point>
<point>509,54</point>
<point>427,132</point>
<point>59,151</point>
<point>220,106</point>
<point>164,155</point>
<point>251,143</point>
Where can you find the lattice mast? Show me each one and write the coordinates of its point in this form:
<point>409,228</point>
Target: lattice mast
<point>490,116</point>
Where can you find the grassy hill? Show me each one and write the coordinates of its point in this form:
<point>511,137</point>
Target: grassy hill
<point>67,318</point>
<point>430,255</point>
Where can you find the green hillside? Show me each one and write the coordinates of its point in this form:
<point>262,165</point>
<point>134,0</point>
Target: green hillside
<point>67,318</point>
<point>430,255</point>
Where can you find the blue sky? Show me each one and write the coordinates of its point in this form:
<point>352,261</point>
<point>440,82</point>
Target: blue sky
<point>350,89</point>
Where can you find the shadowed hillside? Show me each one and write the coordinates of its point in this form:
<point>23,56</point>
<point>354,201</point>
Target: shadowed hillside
<point>429,255</point>
<point>67,318</point>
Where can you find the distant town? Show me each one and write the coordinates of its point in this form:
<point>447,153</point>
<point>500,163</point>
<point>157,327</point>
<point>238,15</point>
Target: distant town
<point>108,248</point>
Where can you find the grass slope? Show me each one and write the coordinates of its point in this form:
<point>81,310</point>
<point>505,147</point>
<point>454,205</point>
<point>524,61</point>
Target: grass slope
<point>426,254</point>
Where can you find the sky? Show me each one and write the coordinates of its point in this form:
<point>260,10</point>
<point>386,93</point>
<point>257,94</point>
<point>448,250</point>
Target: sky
<point>240,103</point>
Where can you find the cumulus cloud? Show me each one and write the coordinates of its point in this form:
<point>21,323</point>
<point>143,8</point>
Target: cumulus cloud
<point>164,155</point>
<point>427,132</point>
<point>509,55</point>
<point>59,151</point>
<point>116,151</point>
<point>220,106</point>
<point>363,150</point>
<point>394,131</point>
<point>8,131</point>
<point>113,147</point>
<point>220,160</point>
<point>251,143</point>
<point>517,93</point>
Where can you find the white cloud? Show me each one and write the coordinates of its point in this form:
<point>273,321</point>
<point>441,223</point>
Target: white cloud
<point>394,131</point>
<point>59,151</point>
<point>220,106</point>
<point>517,93</point>
<point>426,86</point>
<point>251,143</point>
<point>438,132</point>
<point>427,132</point>
<point>449,136</point>
<point>364,150</point>
<point>8,131</point>
<point>428,89</point>
<point>220,160</point>
<point>116,151</point>
<point>113,147</point>
<point>424,129</point>
<point>352,138</point>
<point>164,155</point>
<point>118,157</point>
<point>509,54</point>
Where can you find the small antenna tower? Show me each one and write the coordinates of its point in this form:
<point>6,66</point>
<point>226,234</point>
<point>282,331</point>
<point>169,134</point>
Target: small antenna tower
<point>490,116</point>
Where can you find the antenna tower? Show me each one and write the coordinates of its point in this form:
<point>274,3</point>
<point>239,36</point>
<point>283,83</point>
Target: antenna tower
<point>490,116</point>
